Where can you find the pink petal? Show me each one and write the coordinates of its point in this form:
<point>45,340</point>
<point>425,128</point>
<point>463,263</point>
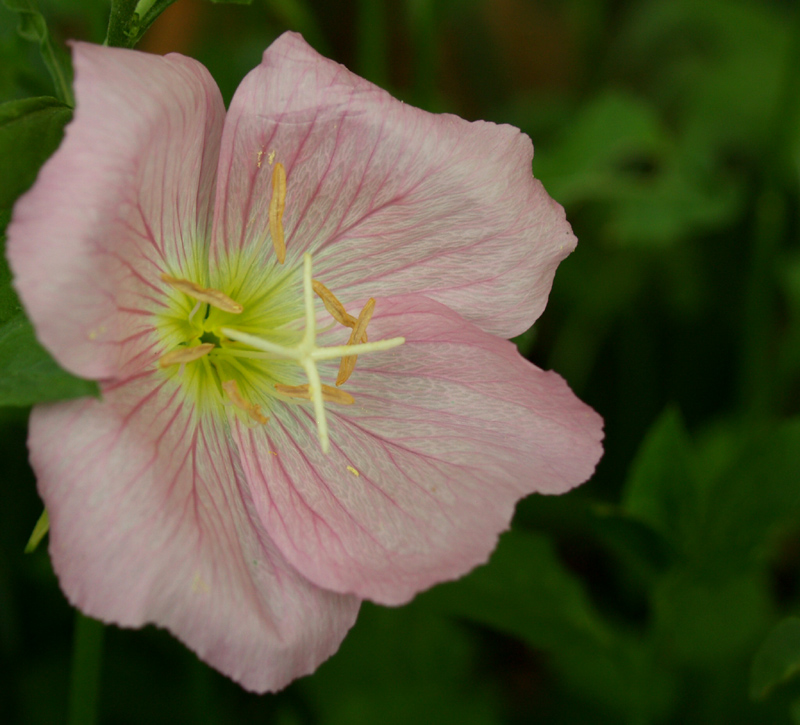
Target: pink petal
<point>447,432</point>
<point>126,196</point>
<point>389,198</point>
<point>150,521</point>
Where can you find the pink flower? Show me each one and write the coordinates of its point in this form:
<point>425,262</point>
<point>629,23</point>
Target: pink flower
<point>224,487</point>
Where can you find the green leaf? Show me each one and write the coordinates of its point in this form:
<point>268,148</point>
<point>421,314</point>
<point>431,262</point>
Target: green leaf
<point>30,131</point>
<point>642,550</point>
<point>753,498</point>
<point>9,302</point>
<point>717,60</point>
<point>610,133</point>
<point>702,620</point>
<point>526,592</point>
<point>399,666</point>
<point>777,660</point>
<point>28,374</point>
<point>617,154</point>
<point>661,489</point>
<point>33,27</point>
<point>705,502</point>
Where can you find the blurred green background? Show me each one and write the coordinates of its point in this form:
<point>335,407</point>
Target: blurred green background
<point>666,589</point>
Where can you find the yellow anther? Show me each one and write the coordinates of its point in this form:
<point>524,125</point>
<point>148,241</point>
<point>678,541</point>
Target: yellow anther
<point>276,206</point>
<point>185,355</point>
<point>353,471</point>
<point>348,363</point>
<point>336,308</point>
<point>254,411</point>
<point>329,393</point>
<point>213,297</point>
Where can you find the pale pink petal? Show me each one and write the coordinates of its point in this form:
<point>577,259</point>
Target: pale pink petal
<point>126,196</point>
<point>447,432</point>
<point>151,521</point>
<point>389,198</point>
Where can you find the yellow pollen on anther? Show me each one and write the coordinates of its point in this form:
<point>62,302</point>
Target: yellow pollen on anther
<point>276,206</point>
<point>329,393</point>
<point>353,471</point>
<point>213,297</point>
<point>185,355</point>
<point>348,363</point>
<point>254,411</point>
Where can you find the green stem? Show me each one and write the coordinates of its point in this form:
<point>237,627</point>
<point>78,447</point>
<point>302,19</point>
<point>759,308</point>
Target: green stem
<point>130,19</point>
<point>87,655</point>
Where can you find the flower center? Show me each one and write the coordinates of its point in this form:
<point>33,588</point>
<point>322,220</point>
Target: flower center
<point>243,346</point>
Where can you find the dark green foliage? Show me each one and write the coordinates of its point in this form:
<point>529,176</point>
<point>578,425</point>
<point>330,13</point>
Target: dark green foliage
<point>33,27</point>
<point>30,130</point>
<point>28,374</point>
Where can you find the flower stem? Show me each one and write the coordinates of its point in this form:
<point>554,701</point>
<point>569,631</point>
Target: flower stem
<point>87,655</point>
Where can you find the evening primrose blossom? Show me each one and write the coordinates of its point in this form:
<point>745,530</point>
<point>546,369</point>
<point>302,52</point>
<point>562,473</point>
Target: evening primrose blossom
<point>295,311</point>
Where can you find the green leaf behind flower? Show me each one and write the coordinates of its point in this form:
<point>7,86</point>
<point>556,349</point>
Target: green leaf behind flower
<point>9,302</point>
<point>527,593</point>
<point>33,27</point>
<point>661,489</point>
<point>30,131</point>
<point>28,374</point>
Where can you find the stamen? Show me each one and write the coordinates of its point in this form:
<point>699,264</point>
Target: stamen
<point>336,308</point>
<point>276,206</point>
<point>185,355</point>
<point>254,411</point>
<point>329,393</point>
<point>307,354</point>
<point>213,297</point>
<point>348,363</point>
